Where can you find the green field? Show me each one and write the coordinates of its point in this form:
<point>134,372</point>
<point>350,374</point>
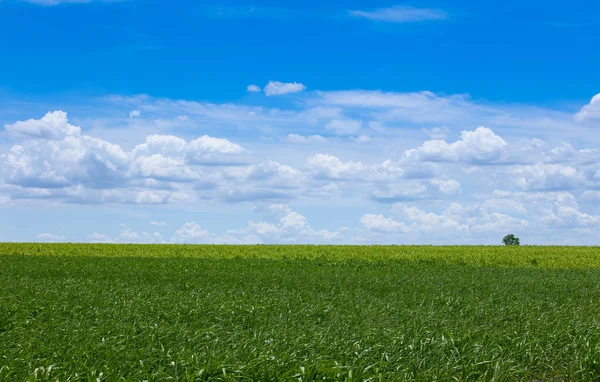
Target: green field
<point>135,312</point>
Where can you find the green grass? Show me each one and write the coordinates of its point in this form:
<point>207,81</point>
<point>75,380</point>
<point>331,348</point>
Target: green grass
<point>83,312</point>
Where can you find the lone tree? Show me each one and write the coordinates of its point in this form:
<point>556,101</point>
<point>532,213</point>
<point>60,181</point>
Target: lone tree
<point>510,239</point>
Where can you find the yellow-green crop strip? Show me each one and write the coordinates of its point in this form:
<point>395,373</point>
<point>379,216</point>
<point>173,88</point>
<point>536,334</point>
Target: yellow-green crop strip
<point>146,312</point>
<point>523,256</point>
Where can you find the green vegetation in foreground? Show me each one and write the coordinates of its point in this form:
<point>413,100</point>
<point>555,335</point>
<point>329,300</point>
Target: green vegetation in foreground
<point>82,312</point>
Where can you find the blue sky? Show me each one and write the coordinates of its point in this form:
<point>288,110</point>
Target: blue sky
<point>299,122</point>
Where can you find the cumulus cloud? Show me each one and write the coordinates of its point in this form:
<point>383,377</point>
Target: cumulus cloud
<point>127,236</point>
<point>324,166</point>
<point>275,88</point>
<point>386,182</point>
<point>54,125</point>
<point>56,162</point>
<point>191,232</point>
<point>480,145</point>
<point>456,223</point>
<point>400,14</point>
<point>548,210</point>
<point>591,111</point>
<point>279,224</point>
<point>204,150</point>
<point>380,223</point>
<point>253,88</point>
<point>429,222</point>
<point>545,176</point>
<point>209,150</point>
<point>284,225</point>
<point>49,160</point>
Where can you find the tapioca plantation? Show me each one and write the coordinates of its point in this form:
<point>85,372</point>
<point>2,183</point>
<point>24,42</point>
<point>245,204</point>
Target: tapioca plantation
<point>207,312</point>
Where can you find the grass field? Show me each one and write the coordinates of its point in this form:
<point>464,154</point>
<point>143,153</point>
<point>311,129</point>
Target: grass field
<point>89,312</point>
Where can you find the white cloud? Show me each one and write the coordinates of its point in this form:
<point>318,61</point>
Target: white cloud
<point>191,232</point>
<point>362,139</point>
<point>296,138</point>
<point>480,145</point>
<point>209,150</point>
<point>99,238</point>
<point>253,88</point>
<point>274,88</point>
<point>50,238</point>
<point>127,236</point>
<point>324,166</point>
<point>456,222</point>
<point>386,182</point>
<point>55,163</point>
<point>591,195</point>
<point>548,210</point>
<point>159,224</point>
<point>210,145</point>
<point>591,111</point>
<point>53,125</point>
<point>437,132</point>
<point>408,190</point>
<point>134,113</point>
<point>544,176</point>
<point>424,109</point>
<point>164,169</point>
<point>279,224</point>
<point>284,225</point>
<point>401,14</point>
<point>50,161</point>
<point>379,223</point>
<point>429,222</point>
<point>166,145</point>
<point>270,170</point>
<point>447,187</point>
<point>84,160</point>
<point>343,126</point>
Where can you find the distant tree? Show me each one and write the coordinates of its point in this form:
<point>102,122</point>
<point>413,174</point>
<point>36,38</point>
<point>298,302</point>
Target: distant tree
<point>510,239</point>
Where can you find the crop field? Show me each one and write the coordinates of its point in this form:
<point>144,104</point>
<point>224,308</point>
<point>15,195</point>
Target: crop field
<point>268,313</point>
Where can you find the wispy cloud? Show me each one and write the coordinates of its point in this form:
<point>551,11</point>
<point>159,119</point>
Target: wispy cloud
<point>57,2</point>
<point>400,14</point>
<point>249,12</point>
<point>48,237</point>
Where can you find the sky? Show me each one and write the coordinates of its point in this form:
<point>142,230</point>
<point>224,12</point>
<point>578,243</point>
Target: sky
<point>348,122</point>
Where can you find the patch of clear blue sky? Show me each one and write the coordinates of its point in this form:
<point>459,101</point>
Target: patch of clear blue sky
<point>515,51</point>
